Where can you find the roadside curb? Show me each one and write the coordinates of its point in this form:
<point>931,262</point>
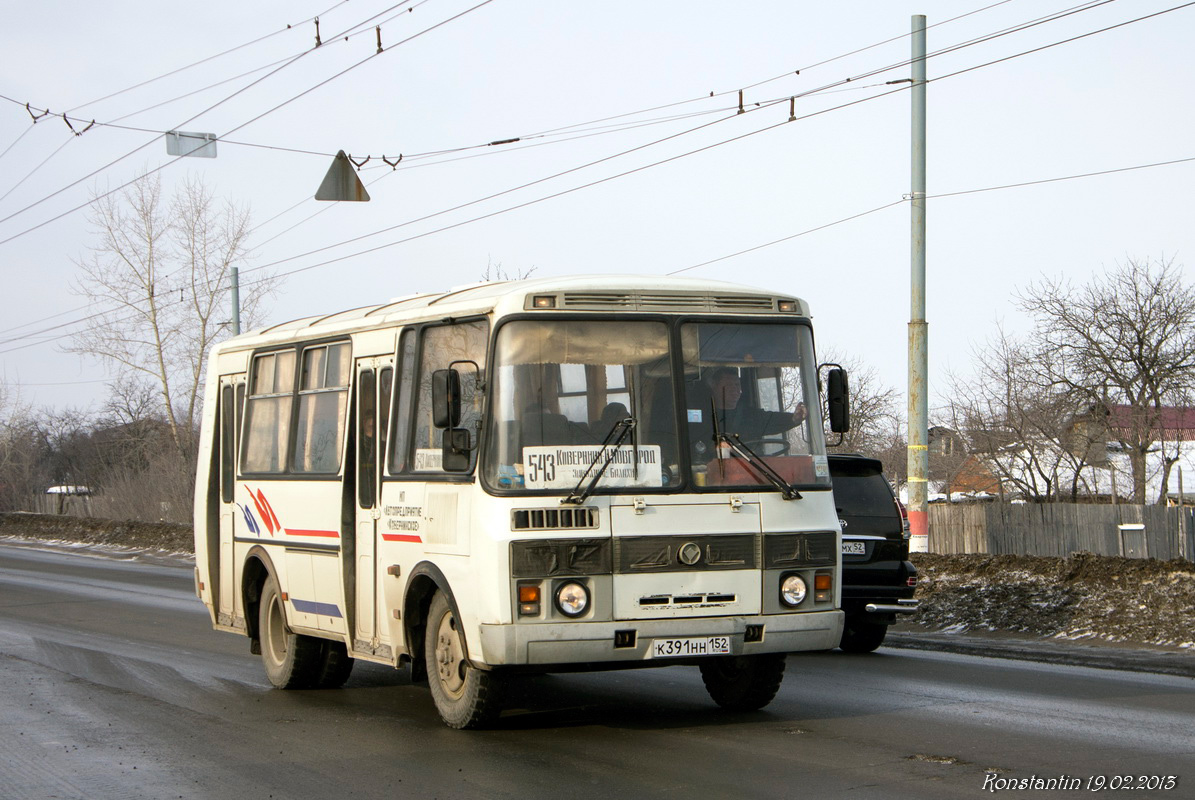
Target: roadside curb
<point>1077,654</point>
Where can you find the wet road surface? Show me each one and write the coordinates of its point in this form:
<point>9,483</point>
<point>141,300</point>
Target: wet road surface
<point>113,685</point>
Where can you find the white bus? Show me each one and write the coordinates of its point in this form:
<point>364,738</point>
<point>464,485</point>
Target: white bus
<point>539,475</point>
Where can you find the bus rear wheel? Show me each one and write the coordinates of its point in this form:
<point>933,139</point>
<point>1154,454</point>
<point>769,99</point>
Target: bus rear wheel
<point>743,683</point>
<point>335,666</point>
<point>292,661</point>
<point>465,696</point>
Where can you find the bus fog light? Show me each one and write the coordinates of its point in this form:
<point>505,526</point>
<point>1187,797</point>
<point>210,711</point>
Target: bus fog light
<point>823,583</point>
<point>528,600</point>
<point>793,590</point>
<point>572,599</point>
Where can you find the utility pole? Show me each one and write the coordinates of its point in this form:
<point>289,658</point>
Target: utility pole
<point>918,446</point>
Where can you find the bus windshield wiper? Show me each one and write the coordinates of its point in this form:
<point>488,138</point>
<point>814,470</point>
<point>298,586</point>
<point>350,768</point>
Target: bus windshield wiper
<point>757,463</point>
<point>615,438</point>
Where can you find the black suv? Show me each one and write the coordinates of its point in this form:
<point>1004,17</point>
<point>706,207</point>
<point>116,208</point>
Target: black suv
<point>878,580</point>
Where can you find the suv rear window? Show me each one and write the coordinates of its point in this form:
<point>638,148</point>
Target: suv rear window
<point>860,489</point>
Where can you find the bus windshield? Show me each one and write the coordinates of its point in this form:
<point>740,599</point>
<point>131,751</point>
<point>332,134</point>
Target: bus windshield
<point>561,388</point>
<point>574,397</point>
<point>751,394</point>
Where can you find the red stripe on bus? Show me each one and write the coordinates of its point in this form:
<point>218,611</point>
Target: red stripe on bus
<point>270,509</point>
<point>265,515</point>
<point>325,534</point>
<point>400,537</point>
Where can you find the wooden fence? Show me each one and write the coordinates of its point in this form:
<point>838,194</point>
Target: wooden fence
<point>1059,529</point>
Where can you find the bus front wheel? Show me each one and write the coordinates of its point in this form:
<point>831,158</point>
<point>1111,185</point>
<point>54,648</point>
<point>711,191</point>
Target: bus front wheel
<point>465,696</point>
<point>743,683</point>
<point>292,661</point>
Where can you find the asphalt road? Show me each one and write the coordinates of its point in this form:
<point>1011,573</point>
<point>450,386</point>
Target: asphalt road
<point>113,685</point>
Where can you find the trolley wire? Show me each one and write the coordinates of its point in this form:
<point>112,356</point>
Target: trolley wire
<point>229,51</point>
<point>852,217</point>
<point>210,108</point>
<point>641,168</point>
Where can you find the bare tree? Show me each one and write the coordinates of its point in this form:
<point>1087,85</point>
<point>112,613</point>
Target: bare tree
<point>496,272</point>
<point>1018,422</point>
<point>1126,338</point>
<point>875,417</point>
<point>159,277</point>
<point>23,447</point>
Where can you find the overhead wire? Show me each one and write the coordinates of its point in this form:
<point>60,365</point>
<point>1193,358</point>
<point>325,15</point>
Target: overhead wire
<point>786,74</point>
<point>662,161</point>
<point>353,255</point>
<point>177,71</point>
<point>563,129</point>
<point>828,88</point>
<point>192,118</point>
<point>754,248</point>
<point>673,158</point>
<point>658,141</point>
<point>1052,17</point>
<point>631,125</point>
<point>404,41</point>
<point>333,41</point>
<point>939,196</point>
<point>369,20</point>
<point>229,51</point>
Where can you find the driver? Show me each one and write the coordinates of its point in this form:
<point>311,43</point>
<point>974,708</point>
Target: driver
<point>749,422</point>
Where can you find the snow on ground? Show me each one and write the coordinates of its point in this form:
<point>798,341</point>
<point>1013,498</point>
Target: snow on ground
<point>1082,597</point>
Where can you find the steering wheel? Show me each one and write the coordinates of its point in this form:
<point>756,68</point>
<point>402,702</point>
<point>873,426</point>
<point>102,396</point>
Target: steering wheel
<point>770,447</point>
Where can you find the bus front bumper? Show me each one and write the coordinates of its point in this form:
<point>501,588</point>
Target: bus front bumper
<point>631,640</point>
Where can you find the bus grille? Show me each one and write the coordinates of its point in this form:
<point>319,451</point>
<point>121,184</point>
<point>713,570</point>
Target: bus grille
<point>634,554</point>
<point>664,301</point>
<point>553,519</point>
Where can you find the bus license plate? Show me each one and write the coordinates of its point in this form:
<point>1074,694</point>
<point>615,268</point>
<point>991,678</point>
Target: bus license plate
<point>854,548</point>
<point>683,648</point>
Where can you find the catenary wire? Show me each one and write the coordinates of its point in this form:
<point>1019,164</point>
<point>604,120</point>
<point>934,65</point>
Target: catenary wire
<point>150,142</point>
<point>770,127</point>
<point>580,125</point>
<point>254,119</point>
<point>1017,28</point>
<point>404,41</point>
<point>673,158</point>
<point>290,26</point>
<point>150,81</point>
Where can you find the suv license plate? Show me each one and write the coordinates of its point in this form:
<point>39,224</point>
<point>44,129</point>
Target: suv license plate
<point>682,648</point>
<point>854,548</point>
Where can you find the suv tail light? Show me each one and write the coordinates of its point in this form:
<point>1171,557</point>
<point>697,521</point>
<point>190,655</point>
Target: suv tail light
<point>904,516</point>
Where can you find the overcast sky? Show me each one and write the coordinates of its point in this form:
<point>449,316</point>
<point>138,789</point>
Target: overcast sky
<point>635,78</point>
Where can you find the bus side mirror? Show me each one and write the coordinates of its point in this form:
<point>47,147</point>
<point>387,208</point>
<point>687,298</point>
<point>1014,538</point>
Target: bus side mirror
<point>446,398</point>
<point>838,396</point>
<point>455,453</point>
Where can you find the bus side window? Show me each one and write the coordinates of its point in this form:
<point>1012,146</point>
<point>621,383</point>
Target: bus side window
<point>239,414</point>
<point>323,401</point>
<point>402,405</point>
<point>267,412</point>
<point>385,386</point>
<point>442,346</point>
<point>227,443</point>
<point>367,424</point>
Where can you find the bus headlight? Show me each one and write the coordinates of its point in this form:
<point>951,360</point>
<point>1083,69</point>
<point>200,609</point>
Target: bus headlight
<point>572,599</point>
<point>793,590</point>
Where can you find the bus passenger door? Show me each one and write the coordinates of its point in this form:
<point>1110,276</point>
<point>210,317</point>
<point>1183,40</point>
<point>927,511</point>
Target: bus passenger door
<point>374,381</point>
